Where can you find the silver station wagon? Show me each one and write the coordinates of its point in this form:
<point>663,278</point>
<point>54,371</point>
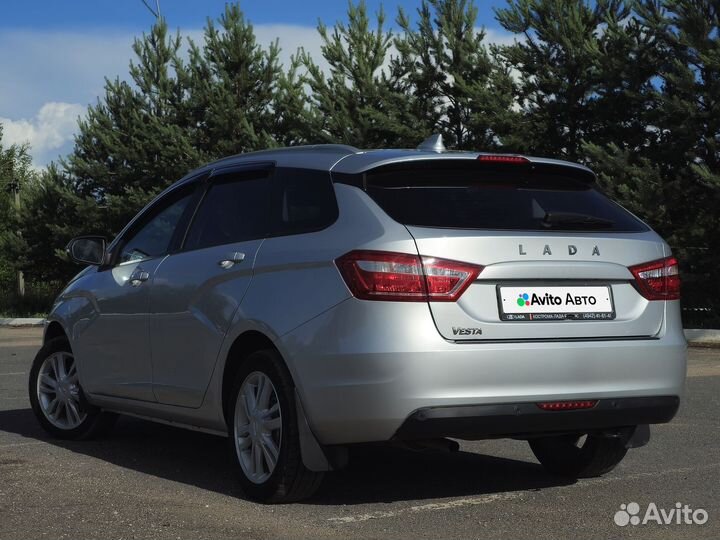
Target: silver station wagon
<point>303,300</point>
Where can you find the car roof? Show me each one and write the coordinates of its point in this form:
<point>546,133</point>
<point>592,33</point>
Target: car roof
<point>350,160</point>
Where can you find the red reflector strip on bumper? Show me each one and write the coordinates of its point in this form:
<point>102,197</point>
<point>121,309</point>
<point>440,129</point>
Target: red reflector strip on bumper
<point>566,405</point>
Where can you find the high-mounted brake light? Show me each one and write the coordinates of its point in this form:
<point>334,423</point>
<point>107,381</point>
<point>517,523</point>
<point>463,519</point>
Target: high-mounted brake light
<point>500,158</point>
<point>384,275</point>
<point>658,280</point>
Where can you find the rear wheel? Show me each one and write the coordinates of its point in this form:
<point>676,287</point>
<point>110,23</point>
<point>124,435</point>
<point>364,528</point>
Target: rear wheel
<point>57,398</point>
<point>577,456</point>
<point>264,432</point>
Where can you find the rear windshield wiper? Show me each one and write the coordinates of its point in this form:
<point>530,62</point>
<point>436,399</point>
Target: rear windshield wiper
<point>570,219</point>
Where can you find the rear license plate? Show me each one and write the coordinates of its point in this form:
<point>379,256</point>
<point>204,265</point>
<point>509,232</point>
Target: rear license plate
<point>555,303</point>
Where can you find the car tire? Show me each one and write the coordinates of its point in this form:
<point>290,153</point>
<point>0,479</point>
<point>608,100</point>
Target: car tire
<point>253,432</point>
<point>57,399</point>
<point>569,456</point>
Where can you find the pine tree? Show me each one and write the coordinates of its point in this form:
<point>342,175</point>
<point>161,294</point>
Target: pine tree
<point>134,137</point>
<point>232,82</point>
<point>294,120</point>
<point>51,213</point>
<point>456,84</point>
<point>677,185</point>
<point>16,174</point>
<point>358,101</point>
<point>584,70</point>
<point>680,152</point>
<point>688,143</point>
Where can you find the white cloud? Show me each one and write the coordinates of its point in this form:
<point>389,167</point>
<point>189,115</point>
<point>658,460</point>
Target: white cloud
<point>48,131</point>
<point>494,36</point>
<point>48,78</point>
<point>291,38</point>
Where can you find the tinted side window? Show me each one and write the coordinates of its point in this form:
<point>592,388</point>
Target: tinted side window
<point>154,237</point>
<point>234,209</point>
<point>303,201</point>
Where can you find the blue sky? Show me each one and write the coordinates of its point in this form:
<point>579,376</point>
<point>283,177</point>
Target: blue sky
<point>132,15</point>
<point>54,55</point>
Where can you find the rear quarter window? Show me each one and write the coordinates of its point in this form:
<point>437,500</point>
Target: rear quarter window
<point>509,197</point>
<point>303,201</point>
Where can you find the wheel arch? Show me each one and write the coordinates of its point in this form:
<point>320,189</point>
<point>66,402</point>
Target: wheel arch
<point>244,345</point>
<point>54,330</point>
<point>314,456</point>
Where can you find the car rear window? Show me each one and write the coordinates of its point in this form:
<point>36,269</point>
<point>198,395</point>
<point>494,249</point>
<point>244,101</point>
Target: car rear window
<point>506,197</point>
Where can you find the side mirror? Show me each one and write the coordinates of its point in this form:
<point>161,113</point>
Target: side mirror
<point>87,250</point>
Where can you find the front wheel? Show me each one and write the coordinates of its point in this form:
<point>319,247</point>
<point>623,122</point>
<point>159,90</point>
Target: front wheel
<point>576,456</point>
<point>57,398</point>
<point>264,432</point>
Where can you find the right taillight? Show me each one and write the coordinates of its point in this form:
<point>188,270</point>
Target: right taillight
<point>401,277</point>
<point>658,280</point>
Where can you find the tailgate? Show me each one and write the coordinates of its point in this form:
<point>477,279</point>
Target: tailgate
<point>545,237</point>
<point>532,264</point>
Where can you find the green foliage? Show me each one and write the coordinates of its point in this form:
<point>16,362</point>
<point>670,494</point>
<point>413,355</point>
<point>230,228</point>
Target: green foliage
<point>634,180</point>
<point>15,174</point>
<point>136,137</point>
<point>454,84</point>
<point>688,119</point>
<point>629,87</point>
<point>357,102</point>
<point>584,69</point>
<point>293,120</point>
<point>231,84</point>
<point>670,175</point>
<point>51,213</point>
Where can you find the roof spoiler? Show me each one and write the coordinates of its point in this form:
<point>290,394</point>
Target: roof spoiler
<point>526,168</point>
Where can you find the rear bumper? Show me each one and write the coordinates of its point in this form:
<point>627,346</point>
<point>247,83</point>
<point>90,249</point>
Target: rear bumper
<point>519,419</point>
<point>364,369</point>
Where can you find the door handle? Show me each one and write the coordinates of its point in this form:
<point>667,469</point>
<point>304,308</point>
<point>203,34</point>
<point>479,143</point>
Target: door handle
<point>231,259</point>
<point>138,277</point>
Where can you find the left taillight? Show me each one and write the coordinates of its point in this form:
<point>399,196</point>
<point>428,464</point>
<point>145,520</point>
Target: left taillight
<point>658,280</point>
<point>401,277</point>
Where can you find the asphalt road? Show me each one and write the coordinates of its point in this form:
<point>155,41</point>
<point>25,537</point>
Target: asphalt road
<point>152,481</point>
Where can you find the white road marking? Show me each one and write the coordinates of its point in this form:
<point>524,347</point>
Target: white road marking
<point>494,497</point>
<point>16,373</point>
<point>456,503</point>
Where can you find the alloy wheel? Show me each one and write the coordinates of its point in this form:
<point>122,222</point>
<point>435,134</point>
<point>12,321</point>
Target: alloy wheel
<point>258,427</point>
<point>58,391</point>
